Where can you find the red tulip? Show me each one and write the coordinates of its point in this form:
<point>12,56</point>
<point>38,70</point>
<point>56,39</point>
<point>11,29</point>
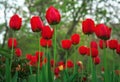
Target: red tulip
<point>75,38</point>
<point>45,43</point>
<point>88,26</point>
<point>56,71</point>
<point>39,54</point>
<point>94,45</point>
<point>118,49</point>
<point>53,15</point>
<point>15,22</point>
<point>28,56</point>
<point>52,62</point>
<point>94,52</point>
<point>88,52</point>
<point>36,24</point>
<point>102,44</point>
<point>12,42</point>
<point>18,52</point>
<point>96,60</point>
<point>33,60</point>
<point>66,44</point>
<point>112,44</point>
<point>102,31</point>
<point>47,32</point>
<point>83,50</point>
<point>69,64</point>
<point>61,63</point>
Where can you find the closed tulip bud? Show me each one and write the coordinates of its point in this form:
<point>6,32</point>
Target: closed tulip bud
<point>70,64</point>
<point>53,15</point>
<point>47,32</point>
<point>94,44</point>
<point>96,60</point>
<point>88,26</point>
<point>66,44</point>
<point>15,22</point>
<point>36,24</point>
<point>82,50</point>
<point>18,52</point>
<point>12,42</point>
<point>75,38</point>
<point>112,44</point>
<point>102,44</point>
<point>94,52</point>
<point>102,31</point>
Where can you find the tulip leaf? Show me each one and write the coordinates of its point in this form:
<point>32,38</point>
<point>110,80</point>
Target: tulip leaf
<point>14,79</point>
<point>32,78</point>
<point>7,70</point>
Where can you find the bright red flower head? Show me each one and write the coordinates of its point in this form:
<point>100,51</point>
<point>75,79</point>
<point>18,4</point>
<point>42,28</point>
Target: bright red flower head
<point>15,22</point>
<point>39,54</point>
<point>93,44</point>
<point>82,50</point>
<point>96,60</point>
<point>112,44</point>
<point>94,52</point>
<point>18,52</point>
<point>47,32</point>
<point>102,31</point>
<point>45,43</point>
<point>53,15</point>
<point>61,63</point>
<point>28,56</point>
<point>102,44</point>
<point>52,62</point>
<point>88,26</point>
<point>66,44</point>
<point>118,49</point>
<point>75,38</point>
<point>33,60</point>
<point>36,24</point>
<point>12,42</point>
<point>56,71</point>
<point>70,64</point>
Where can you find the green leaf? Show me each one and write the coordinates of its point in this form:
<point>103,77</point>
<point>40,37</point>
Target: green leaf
<point>7,70</point>
<point>32,78</point>
<point>14,79</point>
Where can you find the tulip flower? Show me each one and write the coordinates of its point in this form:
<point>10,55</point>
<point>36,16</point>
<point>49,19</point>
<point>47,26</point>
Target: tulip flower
<point>75,38</point>
<point>12,42</point>
<point>15,22</point>
<point>88,26</point>
<point>82,50</point>
<point>102,44</point>
<point>18,52</point>
<point>53,15</point>
<point>36,24</point>
<point>96,60</point>
<point>94,44</point>
<point>118,49</point>
<point>94,52</point>
<point>45,43</point>
<point>66,44</point>
<point>70,64</point>
<point>102,31</point>
<point>47,32</point>
<point>112,44</point>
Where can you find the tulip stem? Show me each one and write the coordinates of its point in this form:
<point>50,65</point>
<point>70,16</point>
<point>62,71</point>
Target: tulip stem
<point>105,65</point>
<point>55,29</point>
<point>66,54</point>
<point>12,52</point>
<point>38,69</point>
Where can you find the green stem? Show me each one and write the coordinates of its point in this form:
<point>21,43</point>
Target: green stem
<point>38,70</point>
<point>105,66</point>
<point>55,55</point>
<point>66,54</point>
<point>12,52</point>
